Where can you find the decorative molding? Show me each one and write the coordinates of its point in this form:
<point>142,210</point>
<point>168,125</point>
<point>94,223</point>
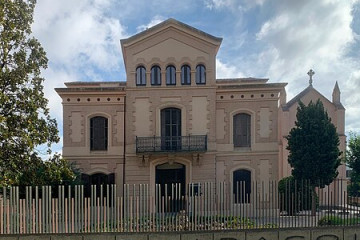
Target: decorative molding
<point>197,157</point>
<point>143,160</point>
<point>328,237</point>
<point>295,237</point>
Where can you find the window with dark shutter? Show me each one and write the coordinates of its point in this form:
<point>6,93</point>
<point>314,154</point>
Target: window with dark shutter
<point>170,75</point>
<point>200,74</point>
<point>185,75</point>
<point>140,76</point>
<point>242,130</point>
<point>98,133</point>
<point>155,75</point>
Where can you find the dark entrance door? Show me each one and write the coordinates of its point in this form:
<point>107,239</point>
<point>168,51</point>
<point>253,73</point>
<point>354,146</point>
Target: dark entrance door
<point>171,129</point>
<point>97,179</point>
<point>171,180</point>
<point>242,186</point>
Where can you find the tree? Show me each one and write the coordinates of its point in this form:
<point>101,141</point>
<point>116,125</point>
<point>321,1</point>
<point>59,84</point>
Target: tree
<point>25,122</point>
<point>353,161</point>
<point>55,171</point>
<point>314,148</point>
<point>313,145</point>
<point>295,196</point>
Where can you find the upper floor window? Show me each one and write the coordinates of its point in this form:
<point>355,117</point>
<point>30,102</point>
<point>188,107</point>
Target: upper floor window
<point>98,133</point>
<point>200,74</point>
<point>242,130</point>
<point>155,75</point>
<point>140,75</point>
<point>185,75</point>
<point>170,75</point>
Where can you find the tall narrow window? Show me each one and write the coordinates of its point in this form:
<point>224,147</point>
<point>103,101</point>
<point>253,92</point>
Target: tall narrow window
<point>171,129</point>
<point>242,130</point>
<point>185,75</point>
<point>98,133</point>
<point>155,75</point>
<point>200,74</point>
<point>170,75</point>
<point>140,76</point>
<point>242,186</point>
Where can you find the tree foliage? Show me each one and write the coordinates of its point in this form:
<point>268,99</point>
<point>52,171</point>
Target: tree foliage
<point>353,161</point>
<point>295,195</point>
<point>25,122</point>
<point>313,145</point>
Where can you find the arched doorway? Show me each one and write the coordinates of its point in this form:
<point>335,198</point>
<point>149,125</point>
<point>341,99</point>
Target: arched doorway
<point>97,180</point>
<point>170,184</point>
<point>242,186</point>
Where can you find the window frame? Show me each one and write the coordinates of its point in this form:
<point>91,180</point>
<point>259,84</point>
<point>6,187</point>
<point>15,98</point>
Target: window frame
<point>155,70</point>
<point>185,71</point>
<point>95,139</point>
<point>200,78</point>
<point>170,75</point>
<point>242,130</point>
<point>140,76</point>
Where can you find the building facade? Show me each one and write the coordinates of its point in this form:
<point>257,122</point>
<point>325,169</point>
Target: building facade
<point>172,121</point>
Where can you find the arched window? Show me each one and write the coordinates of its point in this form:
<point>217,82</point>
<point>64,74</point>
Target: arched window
<point>98,133</point>
<point>242,186</point>
<point>242,130</point>
<point>200,74</point>
<point>140,76</point>
<point>155,75</point>
<point>170,75</point>
<point>185,75</point>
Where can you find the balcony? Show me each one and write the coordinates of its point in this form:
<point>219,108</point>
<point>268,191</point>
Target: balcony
<point>191,143</point>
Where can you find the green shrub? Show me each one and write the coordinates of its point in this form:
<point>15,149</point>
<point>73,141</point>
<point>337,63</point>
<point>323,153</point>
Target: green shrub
<point>330,220</point>
<point>335,220</point>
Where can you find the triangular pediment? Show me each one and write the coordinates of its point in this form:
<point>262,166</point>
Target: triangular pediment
<point>173,39</point>
<point>307,95</point>
<point>171,23</point>
<point>171,47</point>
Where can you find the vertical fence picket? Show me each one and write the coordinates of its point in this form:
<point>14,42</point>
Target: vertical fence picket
<point>1,215</point>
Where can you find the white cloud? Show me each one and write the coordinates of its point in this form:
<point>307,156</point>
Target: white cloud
<point>79,37</point>
<point>156,20</point>
<point>73,30</point>
<point>224,70</point>
<point>216,4</point>
<point>233,4</point>
<point>306,35</point>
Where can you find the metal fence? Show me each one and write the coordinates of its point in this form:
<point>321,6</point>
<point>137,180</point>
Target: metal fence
<point>190,143</point>
<point>201,206</point>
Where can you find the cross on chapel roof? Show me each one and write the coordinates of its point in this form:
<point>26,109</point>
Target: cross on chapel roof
<point>310,73</point>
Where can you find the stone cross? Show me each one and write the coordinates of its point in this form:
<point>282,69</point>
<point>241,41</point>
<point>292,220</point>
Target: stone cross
<point>311,73</point>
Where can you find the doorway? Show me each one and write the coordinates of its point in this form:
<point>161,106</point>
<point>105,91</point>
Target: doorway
<point>170,185</point>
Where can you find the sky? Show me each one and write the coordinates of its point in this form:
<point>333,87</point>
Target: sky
<point>276,39</point>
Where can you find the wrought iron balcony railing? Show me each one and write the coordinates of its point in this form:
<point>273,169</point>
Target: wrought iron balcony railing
<point>191,143</point>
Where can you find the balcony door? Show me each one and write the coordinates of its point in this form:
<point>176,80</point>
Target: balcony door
<point>171,129</point>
